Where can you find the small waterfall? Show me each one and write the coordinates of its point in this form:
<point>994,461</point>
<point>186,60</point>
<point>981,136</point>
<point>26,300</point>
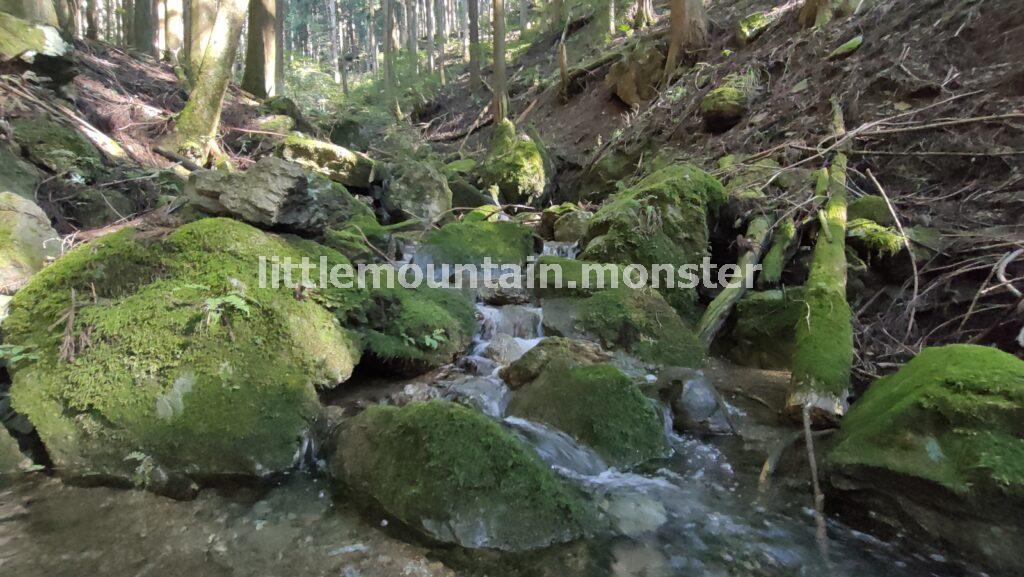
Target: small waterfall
<point>558,449</point>
<point>560,249</point>
<point>305,459</point>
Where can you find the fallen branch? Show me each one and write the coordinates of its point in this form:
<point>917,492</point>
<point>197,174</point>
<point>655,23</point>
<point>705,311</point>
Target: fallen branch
<point>943,124</point>
<point>910,252</point>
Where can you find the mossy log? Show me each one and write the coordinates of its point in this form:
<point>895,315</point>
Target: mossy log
<point>823,356</point>
<point>782,248</point>
<point>720,308</point>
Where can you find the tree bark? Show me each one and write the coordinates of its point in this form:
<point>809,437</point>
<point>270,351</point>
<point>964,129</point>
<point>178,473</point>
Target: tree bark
<point>335,34</point>
<point>91,29</point>
<point>644,14</point>
<point>261,49</point>
<point>431,46</point>
<point>280,11</point>
<point>145,38</point>
<point>412,14</point>
<point>390,81</point>
<point>499,105</point>
<point>442,37</point>
<point>174,28</point>
<point>557,14</point>
<point>127,22</point>
<point>688,30</point>
<point>196,128</point>
<point>611,17</point>
<point>372,31</point>
<point>474,45</point>
<point>344,47</point>
<point>524,16</point>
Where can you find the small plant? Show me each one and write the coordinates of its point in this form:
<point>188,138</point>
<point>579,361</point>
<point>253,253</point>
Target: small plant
<point>431,341</point>
<point>10,355</point>
<point>216,307</point>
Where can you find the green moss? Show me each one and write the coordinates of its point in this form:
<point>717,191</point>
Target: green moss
<point>765,328</point>
<point>19,36</point>
<point>470,241</point>
<point>871,208</point>
<point>726,104</point>
<point>643,323</point>
<point>16,175</point>
<point>752,26</point>
<point>413,331</point>
<point>847,48</point>
<point>775,260</point>
<point>462,167</point>
<point>877,239</point>
<point>571,272</point>
<point>598,405</point>
<point>333,161</point>
<point>57,147</point>
<point>953,415</point>
<point>824,342</point>
<point>515,165</point>
<point>452,472</point>
<point>11,458</point>
<point>176,353</point>
<point>551,350</point>
<point>94,207</point>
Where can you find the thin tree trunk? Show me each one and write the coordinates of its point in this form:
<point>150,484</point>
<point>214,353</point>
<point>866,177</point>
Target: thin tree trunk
<point>431,46</point>
<point>127,22</point>
<point>524,16</point>
<point>91,28</point>
<point>474,45</point>
<point>499,105</point>
<point>611,17</point>
<point>644,14</point>
<point>196,128</point>
<point>442,37</point>
<point>145,39</point>
<point>335,33</point>
<point>557,14</point>
<point>260,49</point>
<point>390,82</point>
<point>174,22</point>
<point>280,11</point>
<point>160,34</point>
<point>688,30</point>
<point>344,47</point>
<point>372,29</point>
<point>412,13</point>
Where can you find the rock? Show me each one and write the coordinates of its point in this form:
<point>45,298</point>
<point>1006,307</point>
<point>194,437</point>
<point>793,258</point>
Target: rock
<point>26,241</point>
<point>457,476</point>
<point>12,461</point>
<point>724,106</point>
<point>564,351</point>
<point>336,163</point>
<point>764,332</point>
<point>95,207</point>
<point>31,10</point>
<point>696,404</point>
<point>599,406</point>
<point>56,147</point>
<point>410,332</point>
<point>279,123</point>
<point>470,242</point>
<point>465,195</point>
<point>418,190</point>
<point>625,231</point>
<point>515,165</point>
<point>275,193</point>
<point>635,77</point>
<point>847,48</point>
<point>34,43</point>
<point>503,349</point>
<point>751,27</point>
<point>871,207</point>
<point>17,176</point>
<point>284,106</point>
<point>936,449</point>
<point>551,214</point>
<point>572,226</point>
<point>176,359</point>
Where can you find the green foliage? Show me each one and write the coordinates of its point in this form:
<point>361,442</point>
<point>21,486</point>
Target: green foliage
<point>879,240</point>
<point>472,240</point>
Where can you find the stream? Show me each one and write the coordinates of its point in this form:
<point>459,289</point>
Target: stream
<point>698,512</point>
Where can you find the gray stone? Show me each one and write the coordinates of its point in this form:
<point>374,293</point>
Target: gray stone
<point>26,241</point>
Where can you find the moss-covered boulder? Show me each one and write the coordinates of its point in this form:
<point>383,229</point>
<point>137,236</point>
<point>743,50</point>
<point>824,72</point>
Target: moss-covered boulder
<point>26,241</point>
<point>472,240</point>
<point>598,405</point>
<point>410,332</point>
<point>11,459</point>
<point>457,476</point>
<point>939,446</point>
<point>563,351</point>
<point>335,162</point>
<point>725,105</point>
<point>634,78</point>
<point>558,277</point>
<point>97,207</point>
<point>417,189</point>
<point>663,219</point>
<point>56,147</point>
<point>764,331</point>
<point>16,175</point>
<point>170,353</point>
<point>515,165</point>
<point>31,10</point>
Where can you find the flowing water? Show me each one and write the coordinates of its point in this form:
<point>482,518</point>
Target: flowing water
<point>698,512</point>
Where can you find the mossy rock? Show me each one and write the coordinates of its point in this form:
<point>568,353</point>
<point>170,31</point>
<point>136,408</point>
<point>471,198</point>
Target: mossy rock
<point>31,10</point>
<point>465,195</point>
<point>95,207</point>
<point>29,37</point>
<point>642,323</point>
<point>871,207</point>
<point>874,239</point>
<point>176,356</point>
<point>471,241</point>
<point>942,439</point>
<point>556,277</point>
<point>560,350</point>
<point>26,241</point>
<point>56,147</point>
<point>635,77</point>
<point>765,328</point>
<point>550,215</point>
<point>410,332</point>
<point>18,176</point>
<point>572,227</point>
<point>598,405</point>
<point>12,461</point>
<point>724,106</point>
<point>515,165</point>
<point>418,190</point>
<point>457,476</point>
<point>279,123</point>
<point>751,27</point>
<point>335,162</point>
<point>745,185</point>
<point>663,219</point>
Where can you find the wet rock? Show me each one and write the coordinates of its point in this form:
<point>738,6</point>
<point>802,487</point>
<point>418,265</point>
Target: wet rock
<point>515,165</point>
<point>57,148</point>
<point>486,394</point>
<point>222,372</point>
<point>635,77</point>
<point>455,475</point>
<point>562,351</point>
<point>518,321</point>
<point>275,193</point>
<point>503,349</point>
<point>26,241</point>
<point>18,176</point>
<point>724,106</point>
<point>598,405</point>
<point>417,190</point>
<point>936,449</point>
<point>550,215</point>
<point>696,404</point>
<point>335,162</point>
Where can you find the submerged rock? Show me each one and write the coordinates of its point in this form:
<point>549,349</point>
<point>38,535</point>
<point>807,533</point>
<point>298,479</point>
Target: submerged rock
<point>937,448</point>
<point>169,356</point>
<point>335,162</point>
<point>275,193</point>
<point>598,405</point>
<point>696,404</point>
<point>26,241</point>
<point>515,165</point>
<point>455,475</point>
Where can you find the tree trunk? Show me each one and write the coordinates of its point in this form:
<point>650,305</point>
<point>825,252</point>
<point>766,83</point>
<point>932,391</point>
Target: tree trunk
<point>160,31</point>
<point>688,30</point>
<point>280,11</point>
<point>91,29</point>
<point>431,46</point>
<point>127,22</point>
<point>412,14</point>
<point>474,45</point>
<point>335,33</point>
<point>611,17</point>
<point>174,28</point>
<point>390,82</point>
<point>69,17</point>
<point>557,14</point>
<point>499,105</point>
<point>260,49</point>
<point>524,16</point>
<point>442,37</point>
<point>196,128</point>
<point>372,31</point>
<point>145,37</point>
<point>344,47</point>
<point>644,14</point>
